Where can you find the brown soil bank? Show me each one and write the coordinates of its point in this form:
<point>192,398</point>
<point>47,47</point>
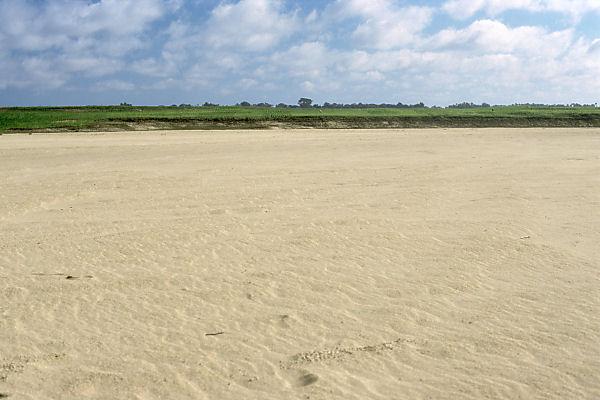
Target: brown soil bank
<point>353,123</point>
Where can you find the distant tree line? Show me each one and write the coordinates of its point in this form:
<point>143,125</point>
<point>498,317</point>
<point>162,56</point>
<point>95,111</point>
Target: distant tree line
<point>572,105</point>
<point>469,105</point>
<point>308,103</point>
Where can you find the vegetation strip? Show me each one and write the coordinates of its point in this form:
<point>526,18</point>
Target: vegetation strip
<point>116,118</point>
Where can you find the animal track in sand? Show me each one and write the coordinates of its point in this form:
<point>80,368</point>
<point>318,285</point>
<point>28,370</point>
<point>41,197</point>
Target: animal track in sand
<point>17,365</point>
<point>307,379</point>
<point>340,353</point>
<point>68,277</point>
<point>302,378</point>
<point>283,321</point>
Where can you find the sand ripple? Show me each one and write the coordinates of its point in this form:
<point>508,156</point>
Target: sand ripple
<point>301,264</point>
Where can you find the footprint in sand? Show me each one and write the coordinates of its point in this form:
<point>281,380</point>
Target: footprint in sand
<point>284,321</point>
<point>280,321</point>
<point>307,379</point>
<point>302,378</point>
<point>69,277</point>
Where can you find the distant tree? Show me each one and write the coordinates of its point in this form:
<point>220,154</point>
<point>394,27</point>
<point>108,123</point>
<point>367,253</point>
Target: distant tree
<point>125,104</point>
<point>304,102</point>
<point>245,104</point>
<point>282,105</point>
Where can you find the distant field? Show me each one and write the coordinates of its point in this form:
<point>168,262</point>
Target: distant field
<point>114,118</point>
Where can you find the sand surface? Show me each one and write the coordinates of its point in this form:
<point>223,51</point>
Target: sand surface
<point>433,264</point>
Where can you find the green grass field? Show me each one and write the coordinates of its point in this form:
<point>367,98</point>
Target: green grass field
<point>226,117</point>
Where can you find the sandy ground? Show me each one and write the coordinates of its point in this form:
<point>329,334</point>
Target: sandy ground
<point>434,264</point>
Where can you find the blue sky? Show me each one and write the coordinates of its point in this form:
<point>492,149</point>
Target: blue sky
<point>64,52</point>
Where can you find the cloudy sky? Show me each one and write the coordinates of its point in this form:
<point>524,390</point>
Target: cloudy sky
<point>61,52</point>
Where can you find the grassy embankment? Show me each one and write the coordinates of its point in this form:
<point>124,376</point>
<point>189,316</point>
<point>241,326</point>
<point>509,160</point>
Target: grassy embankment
<point>111,118</point>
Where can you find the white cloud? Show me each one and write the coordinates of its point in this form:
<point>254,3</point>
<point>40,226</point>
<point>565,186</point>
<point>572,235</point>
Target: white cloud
<point>53,40</point>
<point>307,60</point>
<point>595,47</point>
<point>65,24</point>
<point>235,34</point>
<point>153,68</point>
<point>114,85</point>
<point>249,25</point>
<point>266,50</point>
<point>485,61</point>
<point>384,24</point>
<point>467,8</point>
<point>495,37</point>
